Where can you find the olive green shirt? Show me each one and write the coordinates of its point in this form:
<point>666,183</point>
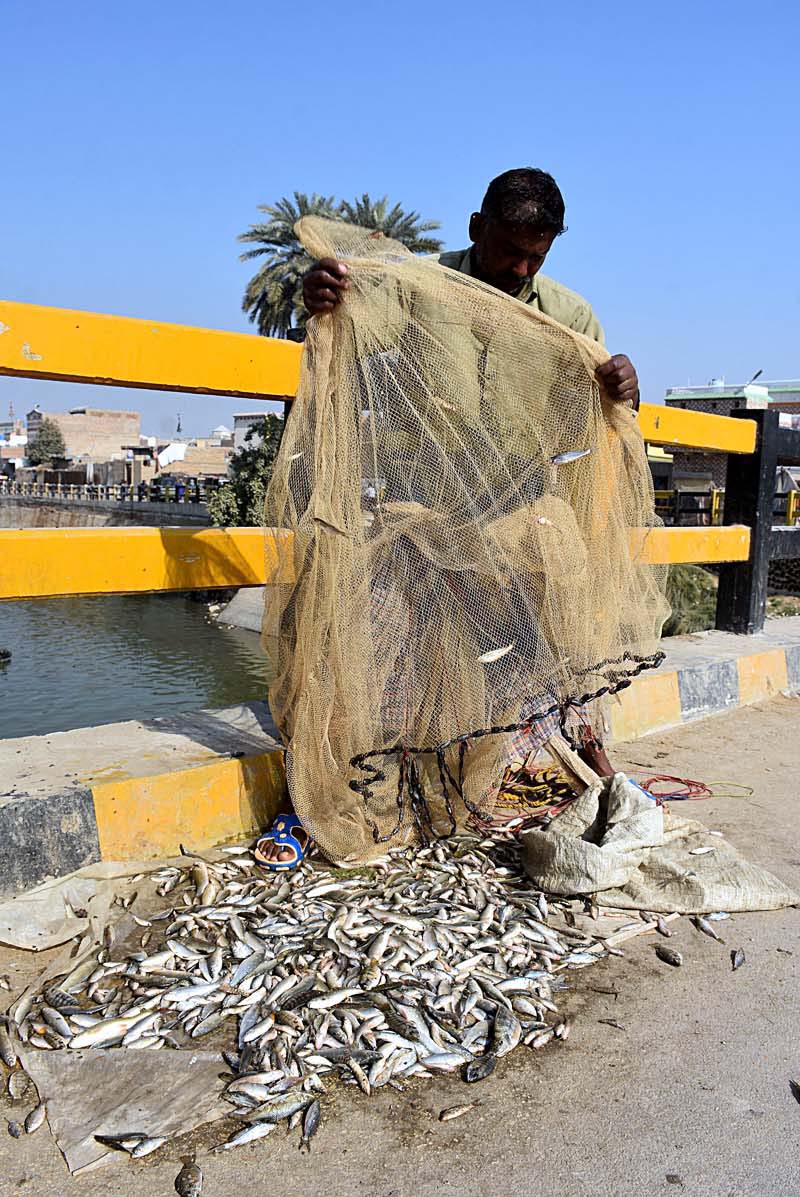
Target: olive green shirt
<point>542,293</point>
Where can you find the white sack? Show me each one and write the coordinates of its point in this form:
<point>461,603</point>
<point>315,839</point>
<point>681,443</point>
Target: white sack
<point>618,844</point>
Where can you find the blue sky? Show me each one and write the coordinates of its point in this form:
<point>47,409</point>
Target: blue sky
<point>137,141</point>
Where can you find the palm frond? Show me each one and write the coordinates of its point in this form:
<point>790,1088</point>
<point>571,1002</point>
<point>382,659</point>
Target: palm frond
<point>273,298</point>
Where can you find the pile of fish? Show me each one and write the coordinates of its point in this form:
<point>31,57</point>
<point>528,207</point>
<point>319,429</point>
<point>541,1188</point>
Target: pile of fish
<point>437,960</point>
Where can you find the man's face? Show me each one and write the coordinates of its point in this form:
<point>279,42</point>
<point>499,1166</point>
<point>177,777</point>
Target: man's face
<point>506,255</point>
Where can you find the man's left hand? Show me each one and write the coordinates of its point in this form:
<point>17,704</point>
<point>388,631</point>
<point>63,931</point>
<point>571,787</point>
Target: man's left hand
<point>619,379</point>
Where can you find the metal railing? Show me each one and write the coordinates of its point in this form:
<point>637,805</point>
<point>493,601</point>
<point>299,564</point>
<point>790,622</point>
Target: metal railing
<point>705,507</point>
<point>122,492</point>
<point>54,343</point>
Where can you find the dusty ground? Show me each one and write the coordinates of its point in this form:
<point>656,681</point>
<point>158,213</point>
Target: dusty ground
<point>692,1096</point>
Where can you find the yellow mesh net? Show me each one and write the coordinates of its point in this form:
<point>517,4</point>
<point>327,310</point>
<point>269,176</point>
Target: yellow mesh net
<point>459,496</point>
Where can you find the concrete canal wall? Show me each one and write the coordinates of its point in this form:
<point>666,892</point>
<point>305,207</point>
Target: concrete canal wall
<point>18,511</point>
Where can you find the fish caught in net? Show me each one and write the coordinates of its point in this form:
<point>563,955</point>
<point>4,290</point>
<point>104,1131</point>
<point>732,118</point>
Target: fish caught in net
<point>458,569</point>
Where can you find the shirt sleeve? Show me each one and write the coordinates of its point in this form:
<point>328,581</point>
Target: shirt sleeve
<point>587,323</point>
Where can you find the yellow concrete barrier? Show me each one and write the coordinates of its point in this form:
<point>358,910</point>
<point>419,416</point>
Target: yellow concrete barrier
<point>679,429</point>
<point>141,817</point>
<point>44,562</point>
<point>52,562</point>
<point>39,342</point>
<point>691,546</point>
<point>73,346</point>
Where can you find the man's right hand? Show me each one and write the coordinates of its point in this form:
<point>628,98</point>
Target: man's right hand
<point>324,286</point>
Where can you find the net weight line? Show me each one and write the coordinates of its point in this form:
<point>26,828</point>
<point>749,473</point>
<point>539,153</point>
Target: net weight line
<point>410,785</point>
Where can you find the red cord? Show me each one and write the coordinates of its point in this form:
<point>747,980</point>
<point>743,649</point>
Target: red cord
<point>687,790</point>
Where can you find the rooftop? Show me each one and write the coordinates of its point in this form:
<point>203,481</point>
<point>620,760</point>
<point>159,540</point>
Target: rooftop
<point>718,388</point>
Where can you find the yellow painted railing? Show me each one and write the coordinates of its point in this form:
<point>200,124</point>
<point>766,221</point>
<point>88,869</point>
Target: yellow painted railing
<point>55,343</point>
<point>39,342</point>
<point>53,562</point>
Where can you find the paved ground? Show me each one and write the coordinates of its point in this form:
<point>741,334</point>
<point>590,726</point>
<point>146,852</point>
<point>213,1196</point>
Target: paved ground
<point>691,1097</point>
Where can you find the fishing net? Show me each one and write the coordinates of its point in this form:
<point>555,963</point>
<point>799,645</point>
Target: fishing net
<point>459,566</point>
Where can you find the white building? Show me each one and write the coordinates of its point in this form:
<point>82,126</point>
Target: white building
<point>242,423</point>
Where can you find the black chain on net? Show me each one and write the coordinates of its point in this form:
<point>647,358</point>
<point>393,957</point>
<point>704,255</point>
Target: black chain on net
<point>409,781</point>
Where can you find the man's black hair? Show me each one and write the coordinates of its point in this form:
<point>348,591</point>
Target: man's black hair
<point>525,197</point>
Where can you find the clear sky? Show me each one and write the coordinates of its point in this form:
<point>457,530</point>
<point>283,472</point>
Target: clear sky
<point>136,141</point>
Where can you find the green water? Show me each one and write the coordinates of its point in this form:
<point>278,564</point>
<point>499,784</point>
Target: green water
<point>81,661</point>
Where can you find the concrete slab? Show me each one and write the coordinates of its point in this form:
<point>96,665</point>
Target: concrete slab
<point>715,672</point>
<point>246,609</point>
<point>34,766</point>
<point>691,1097</point>
<point>135,788</point>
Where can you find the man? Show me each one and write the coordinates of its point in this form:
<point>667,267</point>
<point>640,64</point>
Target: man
<point>521,215</point>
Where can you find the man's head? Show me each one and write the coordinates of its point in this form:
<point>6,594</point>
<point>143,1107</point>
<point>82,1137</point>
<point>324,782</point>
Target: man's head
<point>521,215</point>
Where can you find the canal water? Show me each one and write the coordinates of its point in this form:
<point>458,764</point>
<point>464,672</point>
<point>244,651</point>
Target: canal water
<point>77,662</point>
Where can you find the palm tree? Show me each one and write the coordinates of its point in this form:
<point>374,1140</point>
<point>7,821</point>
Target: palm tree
<point>406,227</point>
<point>273,298</point>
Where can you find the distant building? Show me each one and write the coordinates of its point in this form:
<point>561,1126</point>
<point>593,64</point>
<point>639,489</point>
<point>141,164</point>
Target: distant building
<point>90,433</point>
<point>242,423</point>
<point>11,426</point>
<point>701,471</point>
<point>221,435</point>
<point>187,459</point>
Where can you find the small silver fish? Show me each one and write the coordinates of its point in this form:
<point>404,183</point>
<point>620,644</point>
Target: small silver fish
<point>662,928</point>
<point>702,851</point>
<point>478,1070</point>
<point>189,1181</point>
<point>14,1129</point>
<point>707,929</point>
<point>18,1085</point>
<point>612,1022</point>
<point>669,955</point>
<point>570,455</point>
<point>326,1001</point>
<point>146,1145</point>
<point>737,959</point>
<point>249,1134</point>
<point>360,1075</point>
<point>278,1107</point>
<point>311,1121</point>
<point>442,1062</point>
<point>457,1111</point>
<point>113,1030</point>
<point>506,1032</point>
<point>7,1051</point>
<point>34,1119</point>
<point>121,1142</point>
<point>495,654</point>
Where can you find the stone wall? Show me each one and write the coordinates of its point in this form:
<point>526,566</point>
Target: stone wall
<point>29,512</point>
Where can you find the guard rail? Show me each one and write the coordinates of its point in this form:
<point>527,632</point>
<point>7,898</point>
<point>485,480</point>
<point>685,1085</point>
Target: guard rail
<point>73,346</point>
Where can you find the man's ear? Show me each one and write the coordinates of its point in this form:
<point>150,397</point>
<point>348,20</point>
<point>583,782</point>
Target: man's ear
<point>477,225</point>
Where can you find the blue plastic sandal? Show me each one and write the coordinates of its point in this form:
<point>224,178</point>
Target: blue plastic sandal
<point>282,833</point>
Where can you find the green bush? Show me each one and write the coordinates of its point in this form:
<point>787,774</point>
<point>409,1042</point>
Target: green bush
<point>692,594</point>
<point>240,501</point>
<point>49,443</point>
